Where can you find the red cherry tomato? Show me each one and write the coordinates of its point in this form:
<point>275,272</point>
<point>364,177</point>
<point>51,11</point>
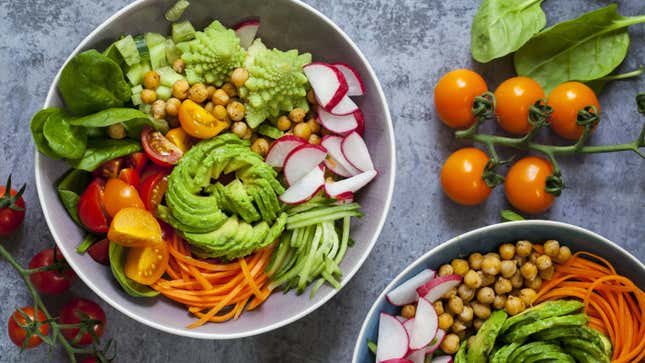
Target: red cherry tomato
<point>567,99</point>
<point>153,189</point>
<point>76,310</point>
<point>130,176</point>
<point>17,334</point>
<point>99,252</point>
<point>454,95</point>
<point>525,185</point>
<point>137,161</point>
<point>109,169</point>
<point>159,149</point>
<point>514,98</point>
<point>52,281</point>
<point>12,210</point>
<point>90,207</point>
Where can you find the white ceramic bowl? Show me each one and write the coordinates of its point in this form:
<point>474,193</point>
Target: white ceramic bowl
<point>285,24</point>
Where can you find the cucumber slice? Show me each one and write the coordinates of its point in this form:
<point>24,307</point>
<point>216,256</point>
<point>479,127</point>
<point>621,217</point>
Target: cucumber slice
<point>270,131</point>
<point>172,53</point>
<point>182,31</point>
<point>128,49</point>
<point>142,47</point>
<point>158,56</point>
<point>136,95</point>
<point>113,53</point>
<point>153,39</point>
<point>135,73</point>
<point>176,11</point>
<point>164,92</point>
<point>168,76</point>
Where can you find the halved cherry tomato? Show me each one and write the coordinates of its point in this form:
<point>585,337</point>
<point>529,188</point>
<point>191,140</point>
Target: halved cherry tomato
<point>454,95</point>
<point>99,252</point>
<point>514,97</point>
<point>461,176</point>
<point>51,281</point>
<point>180,138</point>
<point>74,312</point>
<point>199,123</point>
<point>158,149</point>
<point>119,195</point>
<point>153,189</point>
<point>525,185</point>
<point>130,176</point>
<point>109,169</point>
<point>18,334</point>
<point>135,227</point>
<point>90,207</point>
<point>567,99</point>
<point>146,265</point>
<point>137,161</point>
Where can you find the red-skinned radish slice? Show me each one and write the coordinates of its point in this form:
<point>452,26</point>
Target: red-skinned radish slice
<point>406,293</point>
<point>355,151</point>
<point>397,360</point>
<point>328,83</point>
<point>302,160</point>
<point>246,31</point>
<point>304,188</point>
<point>436,342</point>
<point>408,324</point>
<point>401,319</point>
<point>361,122</point>
<point>281,148</point>
<point>354,80</point>
<point>336,168</point>
<point>352,184</point>
<point>437,287</point>
<point>344,107</point>
<point>425,325</point>
<point>442,359</point>
<point>348,197</point>
<point>418,356</point>
<point>392,339</point>
<point>333,145</point>
<point>339,124</point>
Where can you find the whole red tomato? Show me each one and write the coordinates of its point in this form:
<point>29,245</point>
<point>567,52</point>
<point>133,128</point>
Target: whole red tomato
<point>12,209</point>
<point>52,281</point>
<point>74,312</point>
<point>18,334</point>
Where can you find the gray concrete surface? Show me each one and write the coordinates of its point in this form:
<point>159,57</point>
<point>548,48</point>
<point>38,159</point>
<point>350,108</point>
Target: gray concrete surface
<point>410,43</point>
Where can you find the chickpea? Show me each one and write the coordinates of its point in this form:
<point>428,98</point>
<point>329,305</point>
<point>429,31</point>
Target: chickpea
<point>438,307</point>
<point>239,129</point>
<point>239,77</point>
<point>220,112</point>
<point>445,321</point>
<point>485,295</point>
<point>148,96</point>
<point>230,90</point>
<point>446,270</point>
<point>466,315</point>
<point>180,89</point>
<point>534,284</point>
<point>493,254</point>
<point>477,323</point>
<point>283,123</point>
<point>543,262</point>
<point>465,293</point>
<point>220,97</point>
<point>507,251</point>
<point>514,305</point>
<point>519,260</point>
<point>248,135</point>
<point>503,286</point>
<point>408,311</point>
<point>460,266</point>
<point>313,125</point>
<point>151,80</point>
<point>475,260</point>
<point>528,296</point>
<point>297,115</point>
<point>235,111</point>
<point>450,344</point>
<point>480,310</point>
<point>314,139</point>
<point>529,271</point>
<point>116,131</point>
<point>499,302</point>
<point>508,268</point>
<point>172,106</point>
<point>547,274</point>
<point>209,107</point>
<point>455,305</point>
<point>472,279</point>
<point>302,130</point>
<point>491,265</point>
<point>533,257</point>
<point>210,90</point>
<point>198,93</point>
<point>551,248</point>
<point>458,327</point>
<point>159,109</point>
<point>563,255</point>
<point>311,97</point>
<point>523,248</point>
<point>178,65</point>
<point>449,294</point>
<point>487,279</point>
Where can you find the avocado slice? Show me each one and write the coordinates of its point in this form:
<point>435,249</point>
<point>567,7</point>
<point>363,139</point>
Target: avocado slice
<point>240,201</point>
<point>217,242</point>
<point>485,338</point>
<point>520,333</point>
<point>542,311</point>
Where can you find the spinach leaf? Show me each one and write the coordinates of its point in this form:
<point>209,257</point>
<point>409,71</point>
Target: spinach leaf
<point>581,49</point>
<point>598,85</point>
<point>64,139</point>
<point>92,82</point>
<point>36,127</point>
<point>509,215</point>
<point>101,150</point>
<point>69,187</point>
<point>501,27</point>
<point>132,120</point>
<point>87,242</point>
<point>118,255</point>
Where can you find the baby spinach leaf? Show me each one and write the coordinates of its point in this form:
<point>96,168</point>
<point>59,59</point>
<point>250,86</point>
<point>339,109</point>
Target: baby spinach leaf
<point>36,126</point>
<point>582,49</point>
<point>501,27</point>
<point>101,150</point>
<point>64,139</point>
<point>132,120</point>
<point>92,82</point>
<point>509,215</point>
<point>69,188</point>
<point>118,256</point>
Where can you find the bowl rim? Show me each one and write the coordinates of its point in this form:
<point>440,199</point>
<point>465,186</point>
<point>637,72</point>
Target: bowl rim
<point>438,249</point>
<point>347,275</point>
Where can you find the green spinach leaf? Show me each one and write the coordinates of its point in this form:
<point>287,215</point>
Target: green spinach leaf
<point>118,255</point>
<point>92,82</point>
<point>69,188</point>
<point>501,27</point>
<point>132,120</point>
<point>101,150</point>
<point>582,49</point>
<point>509,215</point>
<point>87,242</point>
<point>64,139</point>
<point>36,126</point>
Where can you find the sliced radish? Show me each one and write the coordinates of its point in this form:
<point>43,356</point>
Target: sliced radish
<point>436,342</point>
<point>354,80</point>
<point>437,287</point>
<point>328,83</point>
<point>401,319</point>
<point>304,188</point>
<point>247,30</point>
<point>356,152</point>
<point>281,148</point>
<point>392,339</point>
<point>338,124</point>
<point>424,327</point>
<point>352,184</point>
<point>418,356</point>
<point>345,106</point>
<point>397,360</point>
<point>406,293</point>
<point>333,145</point>
<point>442,359</point>
<point>408,324</point>
<point>336,168</point>
<point>302,160</point>
<point>361,122</point>
<point>348,196</point>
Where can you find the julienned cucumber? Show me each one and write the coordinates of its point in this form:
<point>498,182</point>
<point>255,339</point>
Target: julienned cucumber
<point>322,214</point>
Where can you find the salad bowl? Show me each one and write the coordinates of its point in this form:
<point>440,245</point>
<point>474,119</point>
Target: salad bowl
<point>286,24</point>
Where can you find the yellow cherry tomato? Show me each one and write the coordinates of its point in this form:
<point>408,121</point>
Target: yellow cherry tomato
<point>180,138</point>
<point>514,98</point>
<point>461,176</point>
<point>199,123</point>
<point>135,227</point>
<point>525,185</point>
<point>146,265</point>
<point>454,95</point>
<point>567,99</point>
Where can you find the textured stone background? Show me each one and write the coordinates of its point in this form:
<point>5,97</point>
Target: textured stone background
<point>410,44</point>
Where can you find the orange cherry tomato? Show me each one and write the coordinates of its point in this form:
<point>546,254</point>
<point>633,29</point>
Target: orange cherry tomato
<point>461,176</point>
<point>146,265</point>
<point>525,185</point>
<point>135,227</point>
<point>454,95</point>
<point>180,138</point>
<point>567,99</point>
<point>199,123</point>
<point>514,97</point>
<point>118,195</point>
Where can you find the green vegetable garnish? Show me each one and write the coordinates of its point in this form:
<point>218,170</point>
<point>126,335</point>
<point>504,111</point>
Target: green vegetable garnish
<point>69,188</point>
<point>485,338</point>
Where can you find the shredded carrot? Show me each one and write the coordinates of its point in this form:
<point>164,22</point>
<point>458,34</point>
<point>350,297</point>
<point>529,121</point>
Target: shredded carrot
<point>615,305</point>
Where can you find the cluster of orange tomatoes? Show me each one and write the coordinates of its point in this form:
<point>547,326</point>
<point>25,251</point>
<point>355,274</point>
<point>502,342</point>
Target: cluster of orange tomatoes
<point>525,182</point>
